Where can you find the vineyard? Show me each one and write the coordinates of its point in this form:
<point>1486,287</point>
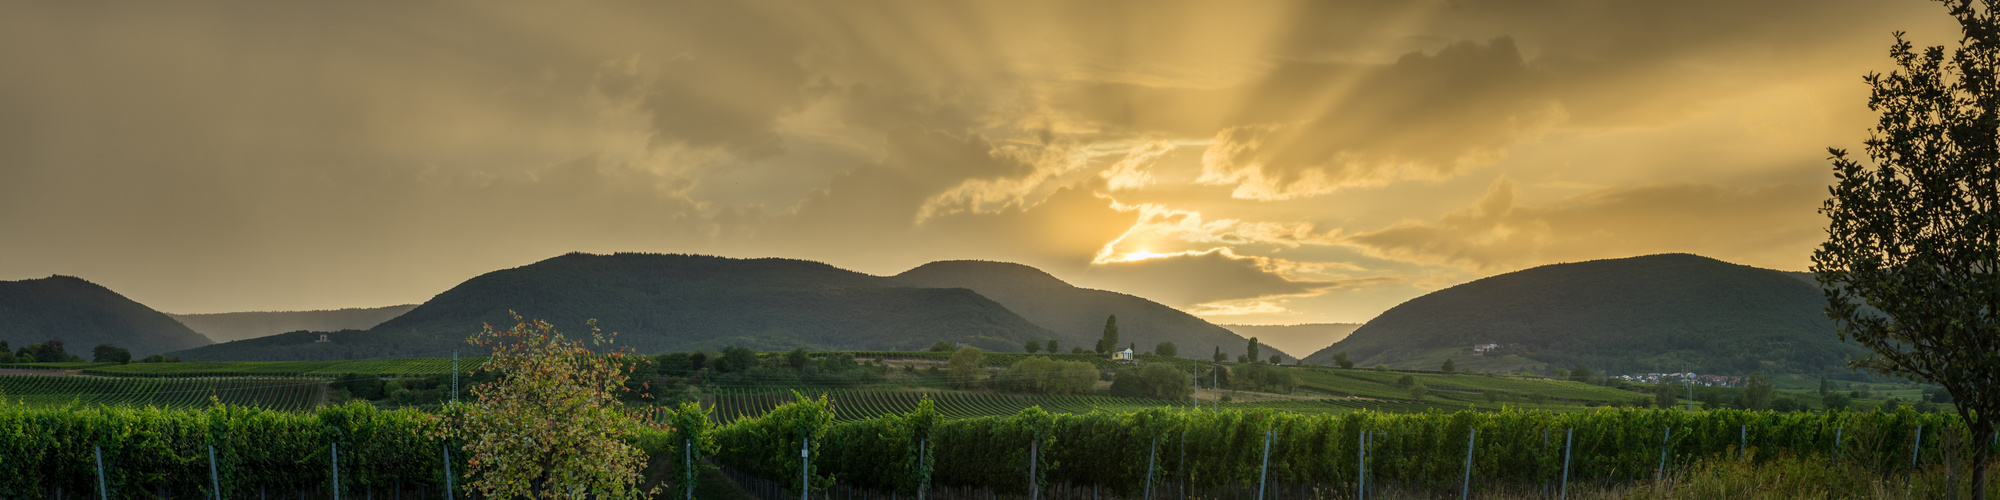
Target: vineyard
<point>1174,453</point>
<point>275,393</point>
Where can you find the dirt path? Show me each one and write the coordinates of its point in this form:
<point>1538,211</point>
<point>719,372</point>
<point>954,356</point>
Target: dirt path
<point>46,373</point>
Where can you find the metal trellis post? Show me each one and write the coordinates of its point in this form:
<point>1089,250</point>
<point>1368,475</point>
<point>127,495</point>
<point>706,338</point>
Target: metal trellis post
<point>448,489</point>
<point>102,494</point>
<point>1264,471</point>
<point>1569,439</point>
<point>1153,451</point>
<point>1465,488</point>
<point>214,479</point>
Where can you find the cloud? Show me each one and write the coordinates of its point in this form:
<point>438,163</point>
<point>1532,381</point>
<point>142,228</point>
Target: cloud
<point>1193,278</point>
<point>1766,226</point>
<point>1311,131</point>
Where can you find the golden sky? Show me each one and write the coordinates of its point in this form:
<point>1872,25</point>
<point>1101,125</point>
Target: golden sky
<point>1251,161</point>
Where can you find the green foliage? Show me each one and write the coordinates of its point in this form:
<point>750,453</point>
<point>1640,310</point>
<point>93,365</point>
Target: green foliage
<point>968,369</point>
<point>1908,269</point>
<point>941,346</point>
<point>689,441</point>
<point>1665,395</point>
<point>1043,375</point>
<point>1109,341</point>
<point>551,424</point>
<point>769,446</point>
<point>1251,351</point>
<point>1417,391</point>
<point>1153,380</point>
<point>1052,347</point>
<point>1167,349</point>
<point>735,359</point>
<point>150,449</point>
<point>1032,346</point>
<point>1448,367</point>
<point>1757,392</point>
<point>107,353</point>
<point>1219,356</point>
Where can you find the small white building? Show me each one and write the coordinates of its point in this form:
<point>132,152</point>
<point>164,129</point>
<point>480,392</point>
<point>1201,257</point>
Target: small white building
<point>322,338</point>
<point>1123,355</point>
<point>1483,348</point>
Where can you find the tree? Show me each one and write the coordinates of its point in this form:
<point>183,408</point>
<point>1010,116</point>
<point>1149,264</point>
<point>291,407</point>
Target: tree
<point>1076,350</point>
<point>1448,366</point>
<point>1417,391</point>
<point>968,367</point>
<point>1033,347</point>
<point>1340,358</point>
<point>1580,374</point>
<point>1251,352</point>
<point>551,425</point>
<point>797,359</point>
<point>941,346</point>
<point>1911,264</point>
<point>1219,356</point>
<point>1665,395</point>
<point>1051,347</point>
<point>1836,401</point>
<point>735,359</point>
<point>1167,349</point>
<point>1822,385</point>
<point>1109,341</point>
<point>1757,392</point>
<point>1275,359</point>
<point>1406,381</point>
<point>107,353</point>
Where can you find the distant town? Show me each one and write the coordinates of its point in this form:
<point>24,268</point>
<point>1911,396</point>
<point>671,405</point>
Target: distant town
<point>1683,378</point>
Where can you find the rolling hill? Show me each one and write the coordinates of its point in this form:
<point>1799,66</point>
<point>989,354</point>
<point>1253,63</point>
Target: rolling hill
<point>82,315</point>
<point>1671,312</point>
<point>662,303</point>
<point>224,327</point>
<point>1078,314</point>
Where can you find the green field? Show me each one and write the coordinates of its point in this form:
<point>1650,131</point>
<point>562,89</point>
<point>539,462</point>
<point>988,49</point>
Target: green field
<point>1468,387</point>
<point>289,394</point>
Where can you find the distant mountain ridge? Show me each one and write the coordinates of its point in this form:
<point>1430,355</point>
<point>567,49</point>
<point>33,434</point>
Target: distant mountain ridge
<point>1306,337</point>
<point>1670,312</point>
<point>82,315</point>
<point>663,302</point>
<point>225,327</point>
<point>1079,313</point>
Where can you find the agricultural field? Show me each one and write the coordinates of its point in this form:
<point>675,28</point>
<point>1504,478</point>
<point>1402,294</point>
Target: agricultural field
<point>1369,383</point>
<point>56,390</point>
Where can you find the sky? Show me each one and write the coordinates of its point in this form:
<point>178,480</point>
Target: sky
<point>1249,161</point>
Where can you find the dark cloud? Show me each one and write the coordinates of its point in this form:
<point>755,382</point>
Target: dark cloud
<point>1766,226</point>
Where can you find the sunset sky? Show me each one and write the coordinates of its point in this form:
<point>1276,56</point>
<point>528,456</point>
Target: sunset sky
<point>1264,162</point>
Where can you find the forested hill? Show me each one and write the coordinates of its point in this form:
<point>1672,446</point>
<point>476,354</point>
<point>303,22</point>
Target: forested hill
<point>224,327</point>
<point>82,315</point>
<point>1672,312</point>
<point>662,303</point>
<point>1078,314</point>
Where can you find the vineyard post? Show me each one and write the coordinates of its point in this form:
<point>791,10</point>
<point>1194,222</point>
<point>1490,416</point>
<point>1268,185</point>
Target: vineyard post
<point>1465,488</point>
<point>925,482</point>
<point>1569,438</point>
<point>1264,471</point>
<point>1182,464</point>
<point>1153,451</point>
<point>1836,444</point>
<point>688,465</point>
<point>214,480</point>
<point>1661,475</point>
<point>448,489</point>
<point>1742,440</point>
<point>1361,465</point>
<point>336,471</point>
<point>102,494</point>
<point>1915,449</point>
